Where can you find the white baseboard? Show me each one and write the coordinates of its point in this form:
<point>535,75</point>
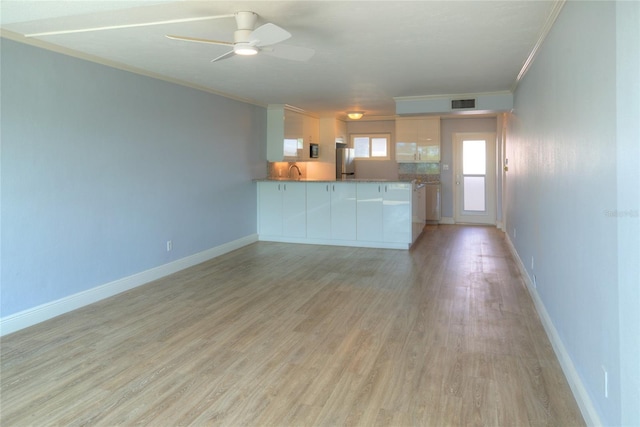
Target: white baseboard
<point>585,403</point>
<point>32,316</point>
<point>447,220</point>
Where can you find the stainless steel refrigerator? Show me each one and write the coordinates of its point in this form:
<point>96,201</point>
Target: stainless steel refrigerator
<point>345,166</point>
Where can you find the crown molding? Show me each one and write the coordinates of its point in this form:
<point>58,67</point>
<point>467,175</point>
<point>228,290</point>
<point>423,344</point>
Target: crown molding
<point>551,19</point>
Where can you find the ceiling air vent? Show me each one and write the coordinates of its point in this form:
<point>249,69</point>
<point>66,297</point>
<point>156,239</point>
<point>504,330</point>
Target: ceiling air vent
<point>457,104</point>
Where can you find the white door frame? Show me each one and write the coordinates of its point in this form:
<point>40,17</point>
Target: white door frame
<point>489,216</point>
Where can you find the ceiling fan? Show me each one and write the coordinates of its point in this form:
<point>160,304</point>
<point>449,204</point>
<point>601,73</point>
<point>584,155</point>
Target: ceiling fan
<point>249,41</point>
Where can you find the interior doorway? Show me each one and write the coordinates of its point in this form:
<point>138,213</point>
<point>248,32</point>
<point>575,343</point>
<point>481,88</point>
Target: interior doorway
<point>474,178</point>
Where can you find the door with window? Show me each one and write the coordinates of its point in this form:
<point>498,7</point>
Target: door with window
<point>474,178</point>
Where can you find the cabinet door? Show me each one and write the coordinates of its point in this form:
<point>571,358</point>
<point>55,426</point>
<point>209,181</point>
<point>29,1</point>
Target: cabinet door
<point>343,211</point>
<point>396,213</point>
<point>369,212</point>
<point>418,208</point>
<point>432,205</point>
<point>318,210</point>
<point>406,140</point>
<point>293,135</point>
<point>422,206</point>
<point>406,152</point>
<point>294,218</point>
<point>311,129</point>
<point>270,208</point>
<point>428,149</point>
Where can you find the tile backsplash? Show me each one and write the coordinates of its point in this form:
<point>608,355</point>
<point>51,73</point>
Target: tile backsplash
<point>281,169</point>
<point>426,172</point>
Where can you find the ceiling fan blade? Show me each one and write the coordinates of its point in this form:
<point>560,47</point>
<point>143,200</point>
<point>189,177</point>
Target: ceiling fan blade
<point>268,34</point>
<point>224,56</point>
<point>287,51</point>
<point>117,27</point>
<point>197,40</point>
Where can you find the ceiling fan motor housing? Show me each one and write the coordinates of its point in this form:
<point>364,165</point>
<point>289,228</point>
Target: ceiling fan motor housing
<point>246,20</point>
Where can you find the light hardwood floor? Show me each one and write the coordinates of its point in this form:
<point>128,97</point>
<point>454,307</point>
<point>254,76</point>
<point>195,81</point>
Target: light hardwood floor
<point>298,335</point>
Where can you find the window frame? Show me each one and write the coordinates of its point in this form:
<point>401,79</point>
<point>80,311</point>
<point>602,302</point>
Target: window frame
<point>372,136</point>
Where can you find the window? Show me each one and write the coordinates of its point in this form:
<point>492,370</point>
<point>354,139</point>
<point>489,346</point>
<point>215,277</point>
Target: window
<point>371,146</point>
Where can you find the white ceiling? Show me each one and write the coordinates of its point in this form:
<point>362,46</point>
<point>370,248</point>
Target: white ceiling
<point>367,52</point>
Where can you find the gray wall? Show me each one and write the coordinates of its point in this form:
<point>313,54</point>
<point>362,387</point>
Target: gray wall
<point>447,128</point>
<point>100,167</point>
<point>570,160</point>
<point>376,169</point>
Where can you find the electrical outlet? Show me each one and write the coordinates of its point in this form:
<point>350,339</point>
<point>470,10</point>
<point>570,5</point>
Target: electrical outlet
<point>532,263</point>
<point>169,245</point>
<point>605,379</point>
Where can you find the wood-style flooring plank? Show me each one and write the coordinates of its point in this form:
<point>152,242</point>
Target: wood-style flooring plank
<point>299,335</point>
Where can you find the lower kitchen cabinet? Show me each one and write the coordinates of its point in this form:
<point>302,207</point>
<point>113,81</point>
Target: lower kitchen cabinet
<point>369,217</point>
<point>340,213</point>
<point>343,211</point>
<point>396,213</point>
<point>384,212</point>
<point>318,210</point>
<point>419,210</point>
<point>282,208</point>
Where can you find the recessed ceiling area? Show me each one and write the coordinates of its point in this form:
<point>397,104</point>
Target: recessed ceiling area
<point>366,52</point>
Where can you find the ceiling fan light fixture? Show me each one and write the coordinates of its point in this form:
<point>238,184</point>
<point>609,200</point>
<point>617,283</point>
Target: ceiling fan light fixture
<point>355,115</point>
<point>245,50</point>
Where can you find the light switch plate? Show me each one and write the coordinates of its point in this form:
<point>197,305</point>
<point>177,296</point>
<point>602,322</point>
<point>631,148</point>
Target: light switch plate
<point>445,167</point>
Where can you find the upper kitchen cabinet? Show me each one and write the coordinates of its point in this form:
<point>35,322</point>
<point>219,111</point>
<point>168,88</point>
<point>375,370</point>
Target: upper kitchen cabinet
<point>289,134</point>
<point>418,140</point>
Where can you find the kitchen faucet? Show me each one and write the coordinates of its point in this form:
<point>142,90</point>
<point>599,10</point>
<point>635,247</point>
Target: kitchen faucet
<point>294,166</point>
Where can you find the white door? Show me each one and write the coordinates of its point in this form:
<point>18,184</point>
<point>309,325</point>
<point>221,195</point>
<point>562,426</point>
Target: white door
<point>474,178</point>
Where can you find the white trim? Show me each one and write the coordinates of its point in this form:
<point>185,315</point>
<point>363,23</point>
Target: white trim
<point>447,220</point>
<point>32,316</point>
<point>585,403</point>
<point>551,19</point>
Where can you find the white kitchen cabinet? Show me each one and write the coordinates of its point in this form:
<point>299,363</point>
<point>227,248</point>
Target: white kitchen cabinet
<point>343,211</point>
<point>318,210</point>
<point>384,212</point>
<point>369,211</point>
<point>432,205</point>
<point>418,140</point>
<point>289,134</point>
<point>310,135</point>
<point>282,208</point>
<point>419,210</point>
<point>396,213</point>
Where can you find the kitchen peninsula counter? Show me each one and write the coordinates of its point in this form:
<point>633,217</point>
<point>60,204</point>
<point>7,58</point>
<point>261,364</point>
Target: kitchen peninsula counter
<point>333,180</point>
<point>373,213</point>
